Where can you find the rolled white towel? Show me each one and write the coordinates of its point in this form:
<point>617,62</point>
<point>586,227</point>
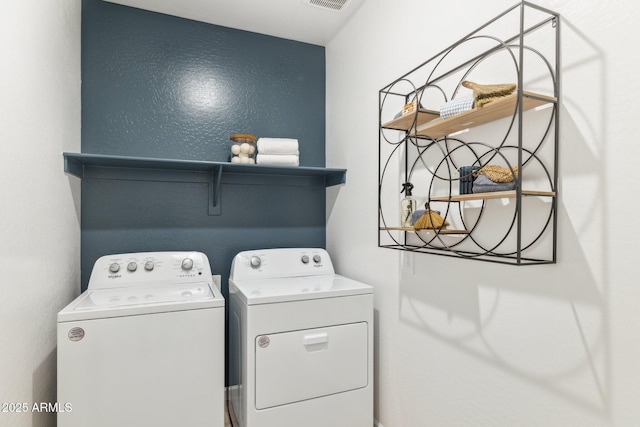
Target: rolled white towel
<point>278,159</point>
<point>278,146</point>
<point>456,106</point>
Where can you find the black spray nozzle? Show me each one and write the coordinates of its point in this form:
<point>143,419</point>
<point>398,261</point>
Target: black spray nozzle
<point>407,187</point>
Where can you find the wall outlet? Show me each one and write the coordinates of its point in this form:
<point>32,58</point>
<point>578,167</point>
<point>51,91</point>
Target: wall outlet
<point>217,280</point>
<point>407,262</point>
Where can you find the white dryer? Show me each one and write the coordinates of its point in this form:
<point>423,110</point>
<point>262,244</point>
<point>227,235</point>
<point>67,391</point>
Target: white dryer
<point>301,342</point>
<point>144,344</point>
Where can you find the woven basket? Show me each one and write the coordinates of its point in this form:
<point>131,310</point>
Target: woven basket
<point>498,173</point>
<point>430,220</point>
<point>483,94</point>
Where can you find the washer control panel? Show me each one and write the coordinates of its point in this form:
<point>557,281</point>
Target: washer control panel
<point>287,262</point>
<point>133,269</point>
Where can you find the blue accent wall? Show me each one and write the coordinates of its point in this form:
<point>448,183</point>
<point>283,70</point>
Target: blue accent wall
<point>160,86</point>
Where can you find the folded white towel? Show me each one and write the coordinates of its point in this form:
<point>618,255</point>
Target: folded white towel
<point>278,146</point>
<point>456,106</point>
<point>278,159</point>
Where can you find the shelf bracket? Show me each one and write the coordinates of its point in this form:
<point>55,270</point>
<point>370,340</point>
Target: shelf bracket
<point>73,167</point>
<point>215,182</point>
<point>101,166</point>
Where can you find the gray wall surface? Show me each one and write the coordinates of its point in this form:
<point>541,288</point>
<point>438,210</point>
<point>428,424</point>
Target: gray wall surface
<point>166,87</point>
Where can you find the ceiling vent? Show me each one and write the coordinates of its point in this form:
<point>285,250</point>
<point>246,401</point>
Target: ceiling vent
<point>333,5</point>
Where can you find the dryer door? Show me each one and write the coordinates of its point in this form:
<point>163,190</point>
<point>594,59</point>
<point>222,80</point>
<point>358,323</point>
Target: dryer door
<point>301,365</point>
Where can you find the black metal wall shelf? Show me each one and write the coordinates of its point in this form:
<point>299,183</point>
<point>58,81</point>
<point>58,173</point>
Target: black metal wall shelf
<point>494,111</point>
<point>99,166</point>
<point>520,46</point>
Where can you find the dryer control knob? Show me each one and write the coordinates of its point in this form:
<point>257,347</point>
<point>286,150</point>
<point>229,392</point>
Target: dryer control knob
<point>187,264</point>
<point>317,259</point>
<point>305,259</point>
<point>132,266</point>
<point>255,261</point>
<point>149,265</point>
<point>114,268</point>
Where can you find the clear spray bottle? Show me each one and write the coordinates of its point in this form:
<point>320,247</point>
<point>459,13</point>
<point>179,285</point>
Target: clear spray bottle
<point>407,205</point>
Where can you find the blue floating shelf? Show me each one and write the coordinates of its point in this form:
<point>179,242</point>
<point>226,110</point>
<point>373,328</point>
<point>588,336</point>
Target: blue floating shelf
<point>102,166</point>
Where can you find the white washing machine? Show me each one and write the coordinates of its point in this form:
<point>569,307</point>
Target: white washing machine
<point>301,342</point>
<point>143,345</point>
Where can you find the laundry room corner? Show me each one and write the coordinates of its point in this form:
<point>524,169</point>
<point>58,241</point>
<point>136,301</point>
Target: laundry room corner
<point>255,192</point>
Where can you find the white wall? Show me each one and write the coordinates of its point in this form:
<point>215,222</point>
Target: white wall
<point>472,343</point>
<point>39,214</point>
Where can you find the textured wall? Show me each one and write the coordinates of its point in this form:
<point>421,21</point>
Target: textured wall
<point>463,343</point>
<point>39,217</point>
<point>160,86</point>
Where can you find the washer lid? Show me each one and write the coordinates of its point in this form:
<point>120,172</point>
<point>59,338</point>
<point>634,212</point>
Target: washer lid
<point>104,303</point>
<point>267,291</point>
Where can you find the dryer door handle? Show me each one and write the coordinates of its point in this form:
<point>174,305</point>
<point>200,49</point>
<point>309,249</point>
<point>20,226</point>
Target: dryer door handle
<point>312,339</point>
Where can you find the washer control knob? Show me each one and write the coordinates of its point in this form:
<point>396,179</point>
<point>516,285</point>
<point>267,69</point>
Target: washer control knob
<point>149,265</point>
<point>255,261</point>
<point>305,259</point>
<point>114,268</point>
<point>132,266</point>
<point>187,264</point>
<point>317,259</point>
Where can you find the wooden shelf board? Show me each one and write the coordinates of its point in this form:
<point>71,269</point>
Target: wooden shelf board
<point>406,122</point>
<point>411,229</point>
<point>493,195</point>
<point>493,111</point>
